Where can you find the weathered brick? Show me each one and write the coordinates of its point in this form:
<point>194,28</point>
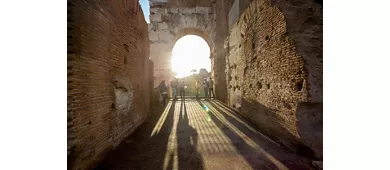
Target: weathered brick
<point>270,70</point>
<point>109,77</point>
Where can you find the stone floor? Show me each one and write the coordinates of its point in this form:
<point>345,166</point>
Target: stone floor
<point>192,135</point>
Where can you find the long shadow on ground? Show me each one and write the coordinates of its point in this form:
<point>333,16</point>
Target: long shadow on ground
<point>171,144</point>
<point>187,139</point>
<point>139,150</point>
<point>258,150</point>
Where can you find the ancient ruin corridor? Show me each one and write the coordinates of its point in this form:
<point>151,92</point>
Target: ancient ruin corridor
<point>200,135</point>
<point>265,60</point>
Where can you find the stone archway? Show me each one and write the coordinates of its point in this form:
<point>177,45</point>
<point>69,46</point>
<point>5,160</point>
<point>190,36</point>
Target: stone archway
<point>194,31</point>
<point>168,23</point>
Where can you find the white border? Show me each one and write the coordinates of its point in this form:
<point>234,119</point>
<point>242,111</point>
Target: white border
<point>356,85</point>
<point>33,84</point>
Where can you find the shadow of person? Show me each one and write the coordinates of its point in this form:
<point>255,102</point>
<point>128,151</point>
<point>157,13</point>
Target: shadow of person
<point>140,150</point>
<point>187,138</point>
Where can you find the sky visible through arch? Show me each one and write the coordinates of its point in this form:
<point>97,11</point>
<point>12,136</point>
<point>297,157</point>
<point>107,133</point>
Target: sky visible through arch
<point>146,9</point>
<point>190,52</point>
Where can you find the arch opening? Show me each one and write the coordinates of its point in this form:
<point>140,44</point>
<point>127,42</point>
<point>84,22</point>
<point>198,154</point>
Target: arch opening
<point>190,54</point>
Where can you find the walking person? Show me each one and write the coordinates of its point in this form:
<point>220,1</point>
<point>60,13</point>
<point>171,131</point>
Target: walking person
<point>182,90</point>
<point>211,87</point>
<point>197,87</point>
<point>206,88</point>
<point>174,84</point>
<point>163,89</point>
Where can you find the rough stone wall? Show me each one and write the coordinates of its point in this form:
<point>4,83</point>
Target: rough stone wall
<point>274,71</point>
<point>109,77</point>
<point>191,3</point>
<point>218,60</point>
<point>170,21</point>
<point>236,10</point>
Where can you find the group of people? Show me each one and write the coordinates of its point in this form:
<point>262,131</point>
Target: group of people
<point>180,86</point>
<point>175,85</point>
<point>208,87</point>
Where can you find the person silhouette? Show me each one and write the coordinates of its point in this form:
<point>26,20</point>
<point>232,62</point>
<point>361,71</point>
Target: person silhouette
<point>182,90</point>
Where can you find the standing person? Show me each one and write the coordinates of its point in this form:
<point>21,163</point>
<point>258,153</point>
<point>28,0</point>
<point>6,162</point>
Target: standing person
<point>163,89</point>
<point>211,87</point>
<point>197,86</point>
<point>205,87</point>
<point>174,84</point>
<point>182,90</point>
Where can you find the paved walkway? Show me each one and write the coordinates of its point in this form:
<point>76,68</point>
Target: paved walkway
<point>194,135</point>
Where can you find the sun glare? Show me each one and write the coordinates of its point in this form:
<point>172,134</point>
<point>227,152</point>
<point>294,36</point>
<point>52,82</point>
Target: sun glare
<point>190,52</point>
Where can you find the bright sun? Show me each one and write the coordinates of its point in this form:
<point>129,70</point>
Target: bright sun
<point>190,52</point>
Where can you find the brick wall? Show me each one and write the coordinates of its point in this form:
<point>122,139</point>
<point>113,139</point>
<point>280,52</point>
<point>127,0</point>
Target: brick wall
<point>274,71</point>
<point>109,77</point>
